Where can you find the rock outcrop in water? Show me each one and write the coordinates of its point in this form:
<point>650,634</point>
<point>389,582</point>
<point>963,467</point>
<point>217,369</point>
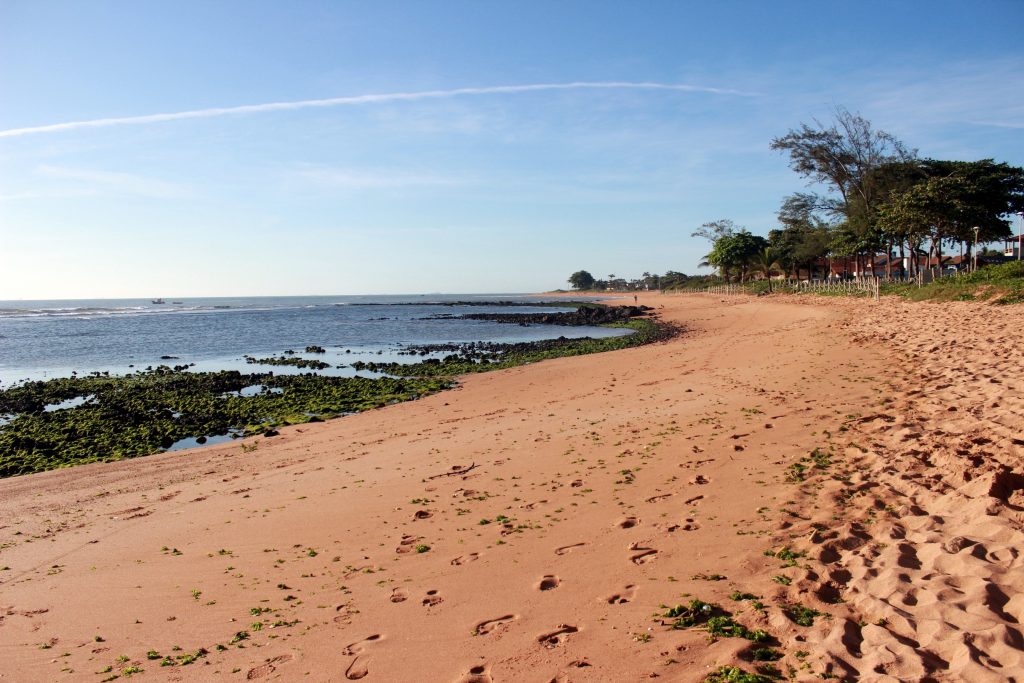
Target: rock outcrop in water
<point>584,315</point>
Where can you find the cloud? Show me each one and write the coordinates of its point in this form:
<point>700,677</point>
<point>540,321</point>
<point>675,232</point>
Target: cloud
<point>367,99</point>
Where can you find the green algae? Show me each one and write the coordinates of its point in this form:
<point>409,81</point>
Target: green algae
<point>471,359</point>
<point>147,412</point>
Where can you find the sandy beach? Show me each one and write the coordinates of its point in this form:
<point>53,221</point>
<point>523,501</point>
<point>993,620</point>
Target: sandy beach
<point>534,523</point>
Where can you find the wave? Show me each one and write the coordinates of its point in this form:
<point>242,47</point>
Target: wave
<point>94,312</point>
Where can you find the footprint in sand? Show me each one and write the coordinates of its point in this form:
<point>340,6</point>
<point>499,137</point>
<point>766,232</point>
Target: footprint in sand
<point>691,501</point>
<point>700,479</point>
<point>361,569</point>
<point>423,514</point>
<point>432,599</point>
<point>407,543</point>
<point>644,556</point>
<point>628,523</point>
<point>399,595</point>
<point>463,559</point>
<point>690,525</point>
<point>621,598</point>
<point>564,676</point>
<point>556,637</point>
<point>268,667</point>
<point>549,582</point>
<point>655,499</point>
<point>485,627</point>
<point>477,674</point>
<point>345,613</point>
<point>358,667</point>
<point>567,548</point>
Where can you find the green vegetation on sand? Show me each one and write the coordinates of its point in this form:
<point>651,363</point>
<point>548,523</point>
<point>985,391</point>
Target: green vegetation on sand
<point>999,284</point>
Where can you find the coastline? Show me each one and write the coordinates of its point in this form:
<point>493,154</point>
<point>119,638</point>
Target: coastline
<point>610,484</point>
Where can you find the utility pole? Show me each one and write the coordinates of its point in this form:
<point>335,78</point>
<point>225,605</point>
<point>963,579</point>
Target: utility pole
<point>976,229</point>
<point>1020,235</point>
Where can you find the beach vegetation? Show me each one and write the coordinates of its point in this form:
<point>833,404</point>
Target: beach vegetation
<point>800,615</point>
<point>724,626</point>
<point>738,596</point>
<point>734,674</point>
<point>999,284</point>
<point>692,614</point>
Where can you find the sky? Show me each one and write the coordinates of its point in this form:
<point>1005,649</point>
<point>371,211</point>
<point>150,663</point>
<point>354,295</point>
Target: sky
<point>197,148</point>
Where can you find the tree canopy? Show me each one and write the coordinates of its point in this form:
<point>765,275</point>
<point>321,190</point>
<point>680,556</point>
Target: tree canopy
<point>581,280</point>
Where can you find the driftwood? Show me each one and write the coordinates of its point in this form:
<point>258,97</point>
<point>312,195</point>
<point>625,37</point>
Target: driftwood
<point>456,470</point>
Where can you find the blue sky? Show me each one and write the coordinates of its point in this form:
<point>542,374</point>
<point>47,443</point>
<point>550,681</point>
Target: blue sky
<point>474,187</point>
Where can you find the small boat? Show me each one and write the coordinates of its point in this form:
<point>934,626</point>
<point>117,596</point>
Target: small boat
<point>177,303</point>
<point>159,301</point>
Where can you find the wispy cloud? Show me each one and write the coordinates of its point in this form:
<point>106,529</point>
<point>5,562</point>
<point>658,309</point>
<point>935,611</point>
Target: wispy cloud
<point>997,124</point>
<point>368,99</point>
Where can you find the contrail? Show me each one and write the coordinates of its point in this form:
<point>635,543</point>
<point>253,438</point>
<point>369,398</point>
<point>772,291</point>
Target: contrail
<point>363,99</point>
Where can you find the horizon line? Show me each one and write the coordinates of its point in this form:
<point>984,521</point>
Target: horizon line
<point>366,99</point>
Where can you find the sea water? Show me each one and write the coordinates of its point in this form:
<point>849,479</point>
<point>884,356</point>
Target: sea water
<point>44,339</point>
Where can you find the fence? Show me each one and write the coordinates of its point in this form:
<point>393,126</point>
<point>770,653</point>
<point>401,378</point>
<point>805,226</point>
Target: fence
<point>866,286</point>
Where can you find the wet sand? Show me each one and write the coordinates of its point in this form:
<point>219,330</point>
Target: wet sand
<point>528,525</point>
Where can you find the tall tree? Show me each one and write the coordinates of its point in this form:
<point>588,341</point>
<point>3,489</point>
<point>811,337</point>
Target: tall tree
<point>714,230</point>
<point>844,157</point>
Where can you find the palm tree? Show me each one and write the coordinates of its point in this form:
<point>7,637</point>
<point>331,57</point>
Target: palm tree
<point>765,262</point>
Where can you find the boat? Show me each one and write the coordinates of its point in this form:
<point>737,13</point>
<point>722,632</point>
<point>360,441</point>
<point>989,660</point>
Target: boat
<point>177,303</point>
<point>159,301</point>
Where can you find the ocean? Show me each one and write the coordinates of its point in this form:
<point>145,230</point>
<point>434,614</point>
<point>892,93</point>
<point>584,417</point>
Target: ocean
<point>44,339</point>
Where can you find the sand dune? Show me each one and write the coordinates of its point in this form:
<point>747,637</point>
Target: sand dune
<point>529,525</point>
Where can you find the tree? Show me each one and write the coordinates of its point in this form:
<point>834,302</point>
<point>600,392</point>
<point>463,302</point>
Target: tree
<point>735,252</point>
<point>952,199</point>
<point>581,280</point>
<point>714,230</point>
<point>804,238</point>
<point>672,279</point>
<point>766,262</point>
<point>844,157</point>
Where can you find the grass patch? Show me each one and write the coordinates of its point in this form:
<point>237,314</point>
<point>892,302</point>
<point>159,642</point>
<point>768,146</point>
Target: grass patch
<point>726,627</point>
<point>695,613</point>
<point>998,284</point>
<point>800,615</point>
<point>734,674</point>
